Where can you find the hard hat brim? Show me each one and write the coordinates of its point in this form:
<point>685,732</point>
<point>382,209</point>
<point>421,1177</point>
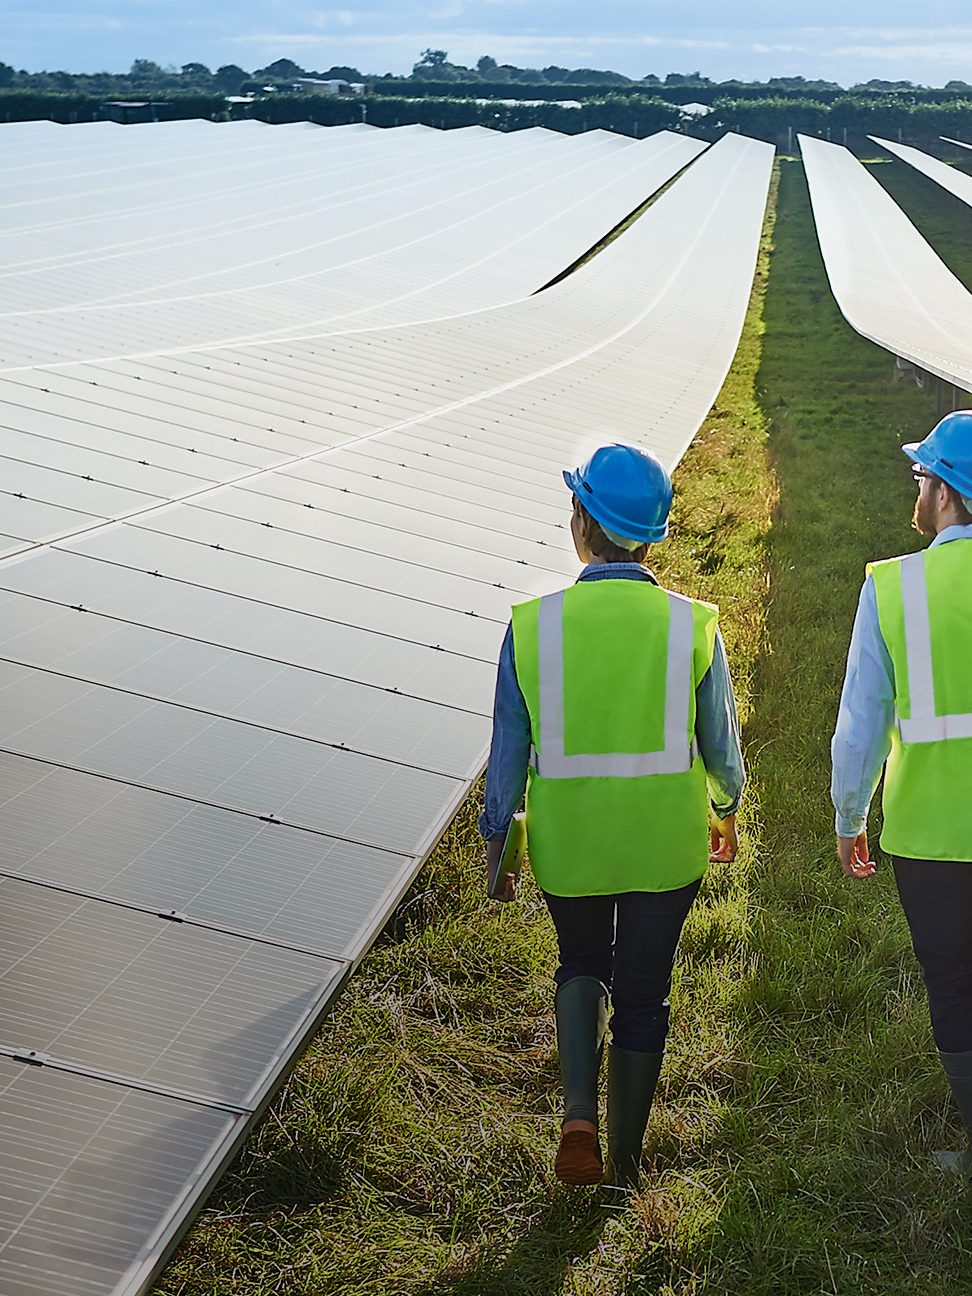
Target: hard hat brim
<point>917,453</point>
<point>574,482</point>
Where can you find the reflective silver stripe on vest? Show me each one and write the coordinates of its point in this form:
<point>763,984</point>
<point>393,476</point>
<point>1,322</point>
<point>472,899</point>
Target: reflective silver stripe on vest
<point>924,726</point>
<point>677,755</point>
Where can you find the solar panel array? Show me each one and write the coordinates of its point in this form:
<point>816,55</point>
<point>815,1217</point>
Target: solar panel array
<point>890,285</point>
<point>202,234</point>
<point>251,604</point>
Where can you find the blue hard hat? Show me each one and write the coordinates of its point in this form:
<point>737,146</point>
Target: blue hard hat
<point>626,489</point>
<point>947,451</point>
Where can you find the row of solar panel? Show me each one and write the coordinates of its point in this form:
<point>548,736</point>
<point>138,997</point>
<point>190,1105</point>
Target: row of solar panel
<point>890,284</point>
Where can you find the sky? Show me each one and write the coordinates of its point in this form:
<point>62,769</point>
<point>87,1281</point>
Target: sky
<point>841,40</point>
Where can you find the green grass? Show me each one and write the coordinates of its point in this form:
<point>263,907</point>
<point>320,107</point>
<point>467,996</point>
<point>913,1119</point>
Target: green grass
<point>411,1150</point>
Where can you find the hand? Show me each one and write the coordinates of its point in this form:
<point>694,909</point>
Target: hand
<point>723,842</point>
<point>494,849</point>
<point>853,856</point>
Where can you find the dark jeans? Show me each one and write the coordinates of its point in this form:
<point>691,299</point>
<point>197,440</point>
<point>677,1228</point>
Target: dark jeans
<point>936,896</point>
<point>628,942</point>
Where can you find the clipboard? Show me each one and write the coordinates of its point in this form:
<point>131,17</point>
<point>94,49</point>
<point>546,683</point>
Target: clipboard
<point>511,857</point>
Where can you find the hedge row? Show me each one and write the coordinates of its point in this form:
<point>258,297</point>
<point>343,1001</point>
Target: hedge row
<point>626,116</point>
<point>31,105</point>
<point>576,90</point>
<point>774,118</point>
<point>680,94</point>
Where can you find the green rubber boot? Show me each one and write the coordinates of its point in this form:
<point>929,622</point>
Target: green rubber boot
<point>632,1078</point>
<point>581,1011</point>
<point>958,1068</point>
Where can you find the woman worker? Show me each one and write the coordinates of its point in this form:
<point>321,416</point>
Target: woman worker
<point>614,709</point>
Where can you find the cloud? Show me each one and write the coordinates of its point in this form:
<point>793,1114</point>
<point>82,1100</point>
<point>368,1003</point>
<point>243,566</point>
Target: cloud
<point>282,38</point>
<point>27,20</point>
<point>958,55</point>
<point>449,9</point>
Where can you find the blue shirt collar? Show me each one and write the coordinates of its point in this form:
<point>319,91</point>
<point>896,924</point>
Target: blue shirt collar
<point>950,533</point>
<point>627,570</point>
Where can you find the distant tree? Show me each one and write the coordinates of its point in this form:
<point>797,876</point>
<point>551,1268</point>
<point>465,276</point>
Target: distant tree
<point>229,78</point>
<point>195,70</point>
<point>686,78</point>
<point>7,75</point>
<point>877,84</point>
<point>949,85</point>
<point>280,70</point>
<point>342,74</point>
<point>145,70</point>
<point>800,83</point>
<point>434,65</point>
<point>651,80</point>
<point>486,65</point>
<point>593,76</point>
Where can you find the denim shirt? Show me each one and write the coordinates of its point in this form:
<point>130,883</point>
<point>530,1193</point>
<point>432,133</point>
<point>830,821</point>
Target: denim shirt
<point>862,738</point>
<point>716,726</point>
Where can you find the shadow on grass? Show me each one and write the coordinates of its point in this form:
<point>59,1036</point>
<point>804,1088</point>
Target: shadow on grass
<point>567,1230</point>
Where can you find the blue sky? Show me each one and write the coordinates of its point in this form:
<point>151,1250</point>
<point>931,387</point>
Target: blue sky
<point>846,42</point>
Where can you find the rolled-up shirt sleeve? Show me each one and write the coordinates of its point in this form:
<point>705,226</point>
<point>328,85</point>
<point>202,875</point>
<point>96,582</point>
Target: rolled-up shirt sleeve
<point>717,733</point>
<point>509,752</point>
<point>865,719</point>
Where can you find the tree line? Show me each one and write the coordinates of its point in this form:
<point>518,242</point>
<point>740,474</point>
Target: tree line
<point>433,75</point>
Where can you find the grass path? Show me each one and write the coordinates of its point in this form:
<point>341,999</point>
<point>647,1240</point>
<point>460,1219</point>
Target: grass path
<point>411,1150</point>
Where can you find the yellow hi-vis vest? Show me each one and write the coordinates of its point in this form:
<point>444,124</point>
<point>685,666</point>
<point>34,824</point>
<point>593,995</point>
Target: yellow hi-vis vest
<point>924,604</point>
<point>616,791</point>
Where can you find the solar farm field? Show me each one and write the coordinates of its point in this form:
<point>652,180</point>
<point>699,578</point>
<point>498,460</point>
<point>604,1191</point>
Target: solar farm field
<point>262,519</point>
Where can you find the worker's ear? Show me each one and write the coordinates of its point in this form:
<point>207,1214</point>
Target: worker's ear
<point>583,519</point>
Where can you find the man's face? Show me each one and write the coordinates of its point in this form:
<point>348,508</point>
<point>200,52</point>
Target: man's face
<point>925,516</point>
<point>577,531</point>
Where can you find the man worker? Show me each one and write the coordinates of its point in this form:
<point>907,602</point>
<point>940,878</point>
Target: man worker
<point>614,709</point>
<point>907,700</point>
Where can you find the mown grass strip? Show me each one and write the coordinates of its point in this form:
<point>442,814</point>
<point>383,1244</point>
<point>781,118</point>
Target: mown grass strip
<point>831,1188</point>
<point>411,1150</point>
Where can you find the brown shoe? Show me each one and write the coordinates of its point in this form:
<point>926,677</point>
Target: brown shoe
<point>579,1158</point>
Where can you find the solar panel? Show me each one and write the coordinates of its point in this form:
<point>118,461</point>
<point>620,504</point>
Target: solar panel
<point>224,682</point>
<point>234,725</point>
<point>310,784</point>
<point>138,846</point>
<point>888,282</point>
<point>89,1201</point>
<point>179,1008</point>
<point>949,177</point>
